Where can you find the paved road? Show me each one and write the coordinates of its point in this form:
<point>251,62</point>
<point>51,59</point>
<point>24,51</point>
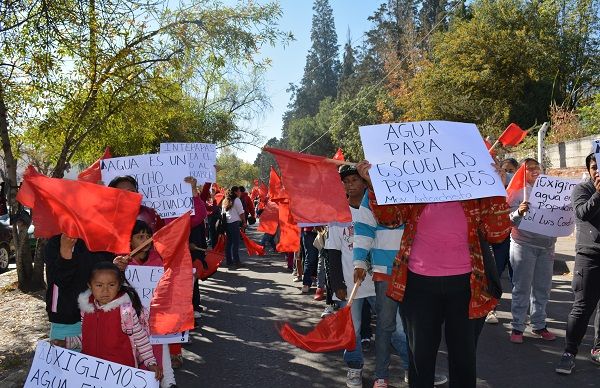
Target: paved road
<point>237,344</point>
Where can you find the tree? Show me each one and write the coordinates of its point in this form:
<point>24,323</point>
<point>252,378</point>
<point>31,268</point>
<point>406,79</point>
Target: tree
<point>76,68</point>
<point>233,171</point>
<point>347,82</point>
<point>265,160</point>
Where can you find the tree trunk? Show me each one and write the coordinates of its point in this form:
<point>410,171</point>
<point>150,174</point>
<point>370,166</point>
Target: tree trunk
<point>25,269</point>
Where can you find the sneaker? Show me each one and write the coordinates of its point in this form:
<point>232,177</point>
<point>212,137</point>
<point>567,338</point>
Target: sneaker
<point>328,311</point>
<point>544,334</point>
<point>305,289</point>
<point>197,315</point>
<point>595,355</point>
<point>319,294</point>
<point>365,344</point>
<point>406,376</point>
<point>297,279</point>
<point>380,383</point>
<point>439,380</point>
<point>176,361</point>
<point>491,318</point>
<point>354,378</point>
<point>566,364</point>
<point>516,337</point>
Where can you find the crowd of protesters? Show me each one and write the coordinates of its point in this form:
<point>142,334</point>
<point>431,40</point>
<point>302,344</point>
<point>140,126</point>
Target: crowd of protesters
<point>416,293</point>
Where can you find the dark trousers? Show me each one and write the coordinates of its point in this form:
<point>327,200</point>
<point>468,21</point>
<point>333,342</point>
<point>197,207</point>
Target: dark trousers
<point>430,304</point>
<point>311,257</point>
<point>232,248</point>
<point>586,287</point>
<point>502,256</point>
<point>366,331</point>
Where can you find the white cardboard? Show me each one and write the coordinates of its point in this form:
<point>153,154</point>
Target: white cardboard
<point>160,179</point>
<point>54,366</point>
<point>429,161</point>
<point>202,159</point>
<point>550,210</point>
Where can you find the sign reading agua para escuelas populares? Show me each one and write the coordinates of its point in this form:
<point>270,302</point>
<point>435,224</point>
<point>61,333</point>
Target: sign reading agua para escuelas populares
<point>202,159</point>
<point>429,161</point>
<point>550,209</point>
<point>145,279</point>
<point>57,367</point>
<point>160,179</point>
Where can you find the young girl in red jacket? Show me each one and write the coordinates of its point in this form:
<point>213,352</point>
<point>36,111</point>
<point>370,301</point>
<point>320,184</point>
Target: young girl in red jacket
<point>111,327</point>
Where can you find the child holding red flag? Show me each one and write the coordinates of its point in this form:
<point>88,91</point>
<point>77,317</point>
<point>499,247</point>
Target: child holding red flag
<point>531,258</point>
<point>339,245</point>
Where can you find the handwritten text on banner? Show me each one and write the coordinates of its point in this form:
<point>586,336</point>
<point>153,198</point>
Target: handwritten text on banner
<point>202,159</point>
<point>429,161</point>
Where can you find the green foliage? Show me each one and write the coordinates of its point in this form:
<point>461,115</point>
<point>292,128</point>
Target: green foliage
<point>590,117</point>
<point>233,171</point>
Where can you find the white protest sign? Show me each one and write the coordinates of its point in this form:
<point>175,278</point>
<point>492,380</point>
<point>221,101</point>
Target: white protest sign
<point>145,279</point>
<point>429,161</point>
<point>54,366</point>
<point>596,149</point>
<point>550,210</point>
<point>160,179</point>
<point>202,159</point>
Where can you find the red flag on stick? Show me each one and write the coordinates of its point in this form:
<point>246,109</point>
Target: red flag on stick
<point>518,182</point>
<point>92,173</point>
<point>512,135</point>
<point>269,218</point>
<point>289,232</point>
<point>334,332</point>
<point>318,200</point>
<point>489,146</point>
<point>101,216</point>
<point>254,248</point>
<point>171,308</point>
<point>339,155</point>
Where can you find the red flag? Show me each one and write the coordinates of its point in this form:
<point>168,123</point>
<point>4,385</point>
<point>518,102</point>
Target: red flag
<point>488,145</point>
<point>213,261</point>
<point>512,135</point>
<point>171,308</point>
<point>334,332</point>
<point>269,218</point>
<point>101,216</point>
<point>92,173</point>
<point>339,155</point>
<point>518,182</point>
<point>255,193</point>
<point>289,232</point>
<point>254,248</point>
<point>318,200</point>
<point>276,190</point>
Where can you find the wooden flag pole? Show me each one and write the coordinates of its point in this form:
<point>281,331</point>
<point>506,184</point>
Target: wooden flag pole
<point>493,146</point>
<point>525,182</point>
<point>353,293</point>
<point>340,162</point>
<point>148,242</point>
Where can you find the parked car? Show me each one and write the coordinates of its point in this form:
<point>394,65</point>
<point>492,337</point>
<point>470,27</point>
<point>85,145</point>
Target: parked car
<point>6,250</point>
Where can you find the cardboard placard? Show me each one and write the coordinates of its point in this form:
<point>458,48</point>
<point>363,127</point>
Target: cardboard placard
<point>202,159</point>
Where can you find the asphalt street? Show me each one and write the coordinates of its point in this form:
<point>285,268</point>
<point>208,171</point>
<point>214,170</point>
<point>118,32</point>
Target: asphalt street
<point>237,344</point>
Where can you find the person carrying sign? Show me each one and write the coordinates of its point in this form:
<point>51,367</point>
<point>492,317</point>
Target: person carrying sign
<point>442,290</point>
<point>532,261</point>
<point>586,276</point>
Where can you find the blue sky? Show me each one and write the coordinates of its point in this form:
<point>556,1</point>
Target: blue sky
<point>288,62</point>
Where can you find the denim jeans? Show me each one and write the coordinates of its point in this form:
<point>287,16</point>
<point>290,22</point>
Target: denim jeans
<point>311,257</point>
<point>268,239</point>
<point>388,331</point>
<point>232,248</point>
<point>354,359</point>
<point>532,282</point>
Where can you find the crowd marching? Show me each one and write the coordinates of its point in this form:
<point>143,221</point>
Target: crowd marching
<point>418,270</point>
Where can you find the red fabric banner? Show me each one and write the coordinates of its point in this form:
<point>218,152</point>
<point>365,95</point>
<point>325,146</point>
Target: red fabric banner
<point>318,200</point>
<point>254,248</point>
<point>334,332</point>
<point>171,308</point>
<point>339,155</point>
<point>512,135</point>
<point>517,182</point>
<point>101,216</point>
<point>92,173</point>
<point>289,232</point>
<point>269,218</point>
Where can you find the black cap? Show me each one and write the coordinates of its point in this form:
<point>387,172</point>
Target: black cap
<point>347,170</point>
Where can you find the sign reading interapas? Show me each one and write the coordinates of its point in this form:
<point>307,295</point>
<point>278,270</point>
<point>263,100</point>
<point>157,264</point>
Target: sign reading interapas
<point>57,367</point>
<point>429,161</point>
<point>202,159</point>
<point>550,209</point>
<point>160,179</point>
<point>145,279</point>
